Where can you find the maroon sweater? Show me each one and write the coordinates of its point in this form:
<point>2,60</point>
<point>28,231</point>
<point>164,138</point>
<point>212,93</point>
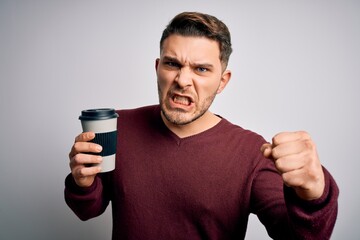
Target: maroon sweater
<point>199,187</point>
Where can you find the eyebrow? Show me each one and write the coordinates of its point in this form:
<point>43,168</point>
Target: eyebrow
<point>204,65</point>
<point>173,59</point>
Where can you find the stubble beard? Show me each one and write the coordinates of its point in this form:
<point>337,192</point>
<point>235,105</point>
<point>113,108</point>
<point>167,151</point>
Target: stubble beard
<point>179,116</point>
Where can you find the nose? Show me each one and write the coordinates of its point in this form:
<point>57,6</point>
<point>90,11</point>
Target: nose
<point>184,77</point>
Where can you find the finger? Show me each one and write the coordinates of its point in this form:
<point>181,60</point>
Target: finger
<point>266,149</point>
<point>306,146</point>
<point>84,147</point>
<point>83,172</point>
<point>298,178</point>
<point>286,149</point>
<point>87,147</point>
<point>289,163</point>
<point>294,178</point>
<point>82,159</point>
<point>284,137</point>
<point>85,137</point>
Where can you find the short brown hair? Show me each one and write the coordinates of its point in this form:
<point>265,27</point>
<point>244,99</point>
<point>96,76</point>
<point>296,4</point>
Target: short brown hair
<point>201,25</point>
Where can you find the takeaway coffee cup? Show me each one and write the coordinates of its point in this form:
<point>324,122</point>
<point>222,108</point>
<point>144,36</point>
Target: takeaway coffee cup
<point>103,122</point>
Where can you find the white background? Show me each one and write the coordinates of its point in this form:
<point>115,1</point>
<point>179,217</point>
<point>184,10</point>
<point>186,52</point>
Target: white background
<point>296,66</point>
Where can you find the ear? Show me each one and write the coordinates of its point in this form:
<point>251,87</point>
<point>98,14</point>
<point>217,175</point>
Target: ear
<point>157,63</point>
<point>225,78</point>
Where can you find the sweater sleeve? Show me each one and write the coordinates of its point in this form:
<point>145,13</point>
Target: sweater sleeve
<point>285,215</point>
<point>86,202</point>
<point>314,219</point>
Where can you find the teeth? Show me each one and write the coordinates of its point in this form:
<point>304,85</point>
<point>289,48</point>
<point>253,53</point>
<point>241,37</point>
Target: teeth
<point>182,100</point>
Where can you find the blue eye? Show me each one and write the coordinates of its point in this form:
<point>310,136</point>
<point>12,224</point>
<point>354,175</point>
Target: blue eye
<point>202,69</point>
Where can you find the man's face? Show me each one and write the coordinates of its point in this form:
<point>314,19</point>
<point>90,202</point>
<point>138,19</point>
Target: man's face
<point>189,75</point>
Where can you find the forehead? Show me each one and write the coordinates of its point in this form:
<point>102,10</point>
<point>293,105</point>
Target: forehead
<point>186,48</point>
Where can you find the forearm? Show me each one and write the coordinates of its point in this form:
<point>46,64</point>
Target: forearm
<point>314,219</point>
<point>87,202</point>
<point>287,216</point>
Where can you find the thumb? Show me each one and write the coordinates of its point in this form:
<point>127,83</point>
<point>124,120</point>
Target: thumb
<point>266,150</point>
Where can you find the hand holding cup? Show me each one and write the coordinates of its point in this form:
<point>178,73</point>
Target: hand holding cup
<point>94,150</point>
<point>79,161</point>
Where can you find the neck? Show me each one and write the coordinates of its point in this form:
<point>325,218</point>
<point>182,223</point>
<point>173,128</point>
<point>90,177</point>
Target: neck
<point>205,122</point>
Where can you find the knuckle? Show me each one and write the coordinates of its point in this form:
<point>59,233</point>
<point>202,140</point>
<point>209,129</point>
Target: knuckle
<point>75,172</point>
<point>279,138</point>
<point>310,145</point>
<point>303,134</point>
<point>275,153</point>
<point>312,176</point>
<point>275,139</point>
<point>285,177</point>
<point>77,159</point>
<point>279,165</point>
<point>79,137</point>
<point>81,172</point>
<point>70,155</point>
<point>77,146</point>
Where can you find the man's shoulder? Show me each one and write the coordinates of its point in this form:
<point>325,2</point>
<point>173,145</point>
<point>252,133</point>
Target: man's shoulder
<point>141,116</point>
<point>237,131</point>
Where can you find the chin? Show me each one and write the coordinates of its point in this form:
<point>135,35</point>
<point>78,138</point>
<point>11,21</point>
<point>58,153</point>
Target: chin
<point>177,116</point>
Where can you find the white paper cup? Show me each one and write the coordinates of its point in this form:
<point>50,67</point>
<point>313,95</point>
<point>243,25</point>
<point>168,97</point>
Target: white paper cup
<point>103,122</point>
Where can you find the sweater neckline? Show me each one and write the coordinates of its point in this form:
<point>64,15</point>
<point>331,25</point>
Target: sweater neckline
<point>178,140</point>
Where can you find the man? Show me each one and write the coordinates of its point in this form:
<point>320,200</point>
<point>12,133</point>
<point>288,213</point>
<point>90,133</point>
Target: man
<point>183,172</point>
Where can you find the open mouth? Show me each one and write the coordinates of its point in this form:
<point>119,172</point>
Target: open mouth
<point>182,100</point>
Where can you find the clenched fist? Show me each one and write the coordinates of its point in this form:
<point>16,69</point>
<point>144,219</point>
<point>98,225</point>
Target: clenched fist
<point>296,159</point>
